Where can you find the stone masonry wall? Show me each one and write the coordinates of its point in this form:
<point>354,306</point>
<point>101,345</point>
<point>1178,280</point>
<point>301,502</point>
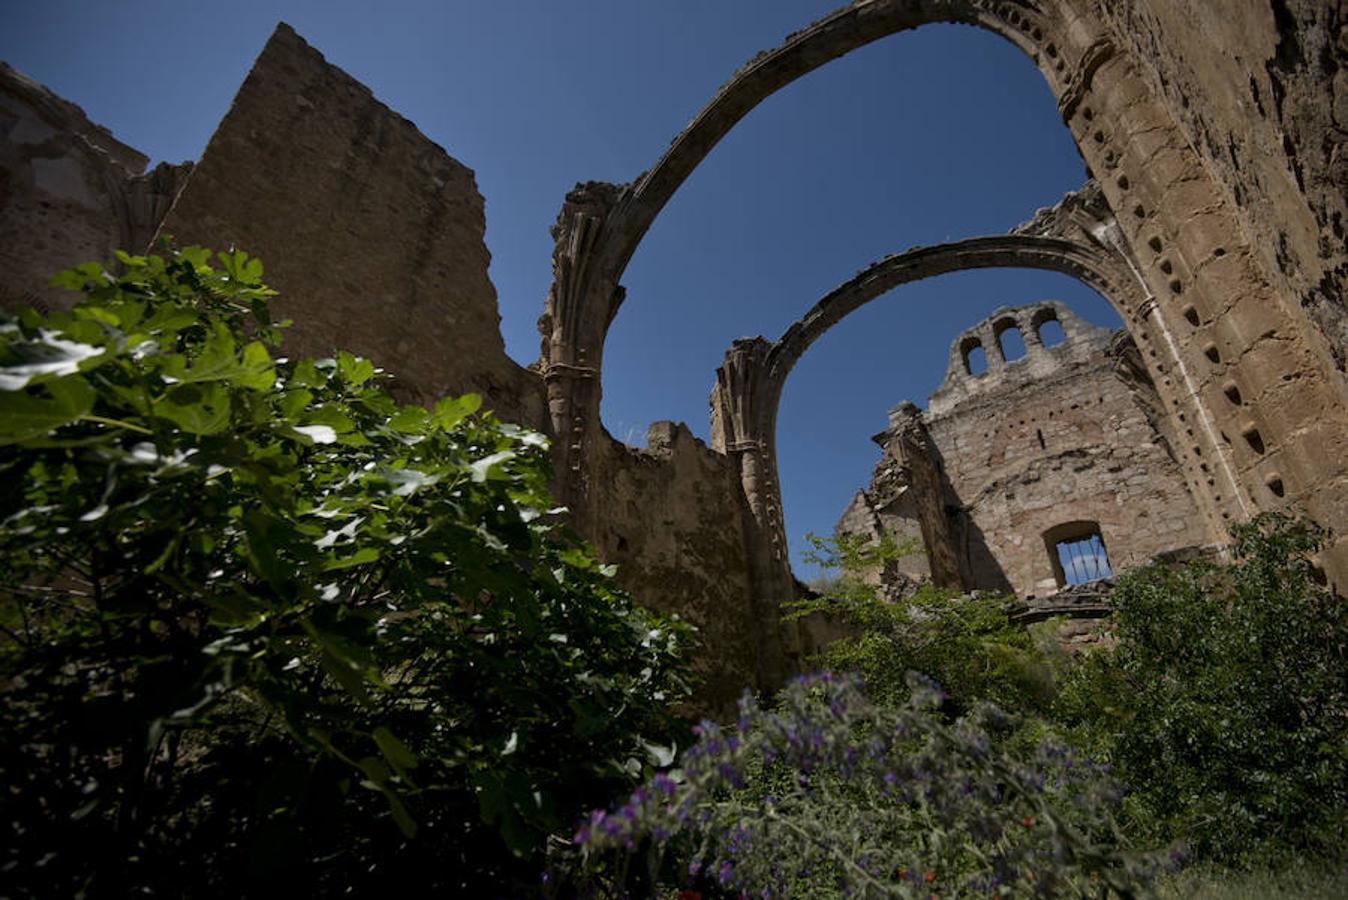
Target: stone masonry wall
<point>371,232</point>
<point>373,236</point>
<point>1061,435</point>
<point>1230,191</point>
<point>671,522</point>
<point>69,192</point>
<point>1247,80</point>
<point>899,518</point>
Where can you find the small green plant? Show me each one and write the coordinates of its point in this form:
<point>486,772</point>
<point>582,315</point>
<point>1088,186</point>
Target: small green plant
<point>851,563</point>
<point>266,628</point>
<point>966,642</point>
<point>831,795</point>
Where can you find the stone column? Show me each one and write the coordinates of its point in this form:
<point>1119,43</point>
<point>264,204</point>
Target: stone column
<point>741,428</point>
<point>581,303</point>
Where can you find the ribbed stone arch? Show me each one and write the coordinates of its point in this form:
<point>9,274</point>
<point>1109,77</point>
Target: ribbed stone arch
<point>1095,266</point>
<point>1019,21</point>
<point>605,223</point>
<point>601,225</point>
<point>750,382</point>
<point>1212,310</point>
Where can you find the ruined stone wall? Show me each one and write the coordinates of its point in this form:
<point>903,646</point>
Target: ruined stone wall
<point>373,236</point>
<point>1260,90</point>
<point>1057,437</point>
<point>371,232</point>
<point>1233,216</point>
<point>1215,132</point>
<point>69,192</point>
<point>900,518</point>
<point>670,520</point>
<point>1064,434</point>
<point>909,482</point>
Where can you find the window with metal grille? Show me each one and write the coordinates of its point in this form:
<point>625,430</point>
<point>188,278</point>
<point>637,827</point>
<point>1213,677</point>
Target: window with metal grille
<point>1083,559</point>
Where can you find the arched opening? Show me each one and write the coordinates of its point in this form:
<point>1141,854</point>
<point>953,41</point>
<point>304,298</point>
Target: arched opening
<point>1010,340</point>
<point>1051,334</point>
<point>1093,276</point>
<point>824,451</point>
<point>975,357</point>
<point>770,219</point>
<point>1076,551</point>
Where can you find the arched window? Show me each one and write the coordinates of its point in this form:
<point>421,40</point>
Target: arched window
<point>1077,552</point>
<point>975,360</point>
<point>1051,333</point>
<point>1010,340</point>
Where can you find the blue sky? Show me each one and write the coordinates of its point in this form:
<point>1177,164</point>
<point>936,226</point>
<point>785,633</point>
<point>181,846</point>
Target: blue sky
<point>938,134</point>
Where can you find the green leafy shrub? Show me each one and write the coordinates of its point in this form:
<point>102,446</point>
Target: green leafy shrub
<point>832,795</point>
<point>967,643</point>
<point>266,628</point>
<point>850,563</point>
<point>1225,702</point>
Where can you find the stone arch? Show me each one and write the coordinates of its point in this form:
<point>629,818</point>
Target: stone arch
<point>750,382</point>
<point>749,386</point>
<point>600,225</point>
<point>1099,267</point>
<point>1205,286</point>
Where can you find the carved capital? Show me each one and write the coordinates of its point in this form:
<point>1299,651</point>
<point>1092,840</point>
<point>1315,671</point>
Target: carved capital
<point>577,240</point>
<point>740,384</point>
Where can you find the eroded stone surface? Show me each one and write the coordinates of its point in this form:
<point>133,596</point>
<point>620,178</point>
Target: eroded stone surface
<point>69,192</point>
<point>671,521</point>
<point>1005,459</point>
<point>372,234</point>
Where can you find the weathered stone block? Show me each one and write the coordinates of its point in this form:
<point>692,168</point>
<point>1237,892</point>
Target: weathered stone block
<point>372,234</point>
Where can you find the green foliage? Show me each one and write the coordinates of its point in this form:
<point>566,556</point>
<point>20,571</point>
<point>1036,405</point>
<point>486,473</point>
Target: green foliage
<point>266,627</point>
<point>832,795</point>
<point>1287,880</point>
<point>967,643</point>
<point>1226,700</point>
<point>851,562</point>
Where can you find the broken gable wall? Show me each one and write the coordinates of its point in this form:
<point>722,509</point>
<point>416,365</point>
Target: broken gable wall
<point>1057,437</point>
<point>372,234</point>
<point>1064,434</point>
<point>374,237</point>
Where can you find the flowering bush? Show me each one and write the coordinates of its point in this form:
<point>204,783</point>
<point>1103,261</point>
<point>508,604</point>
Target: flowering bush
<point>831,794</point>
